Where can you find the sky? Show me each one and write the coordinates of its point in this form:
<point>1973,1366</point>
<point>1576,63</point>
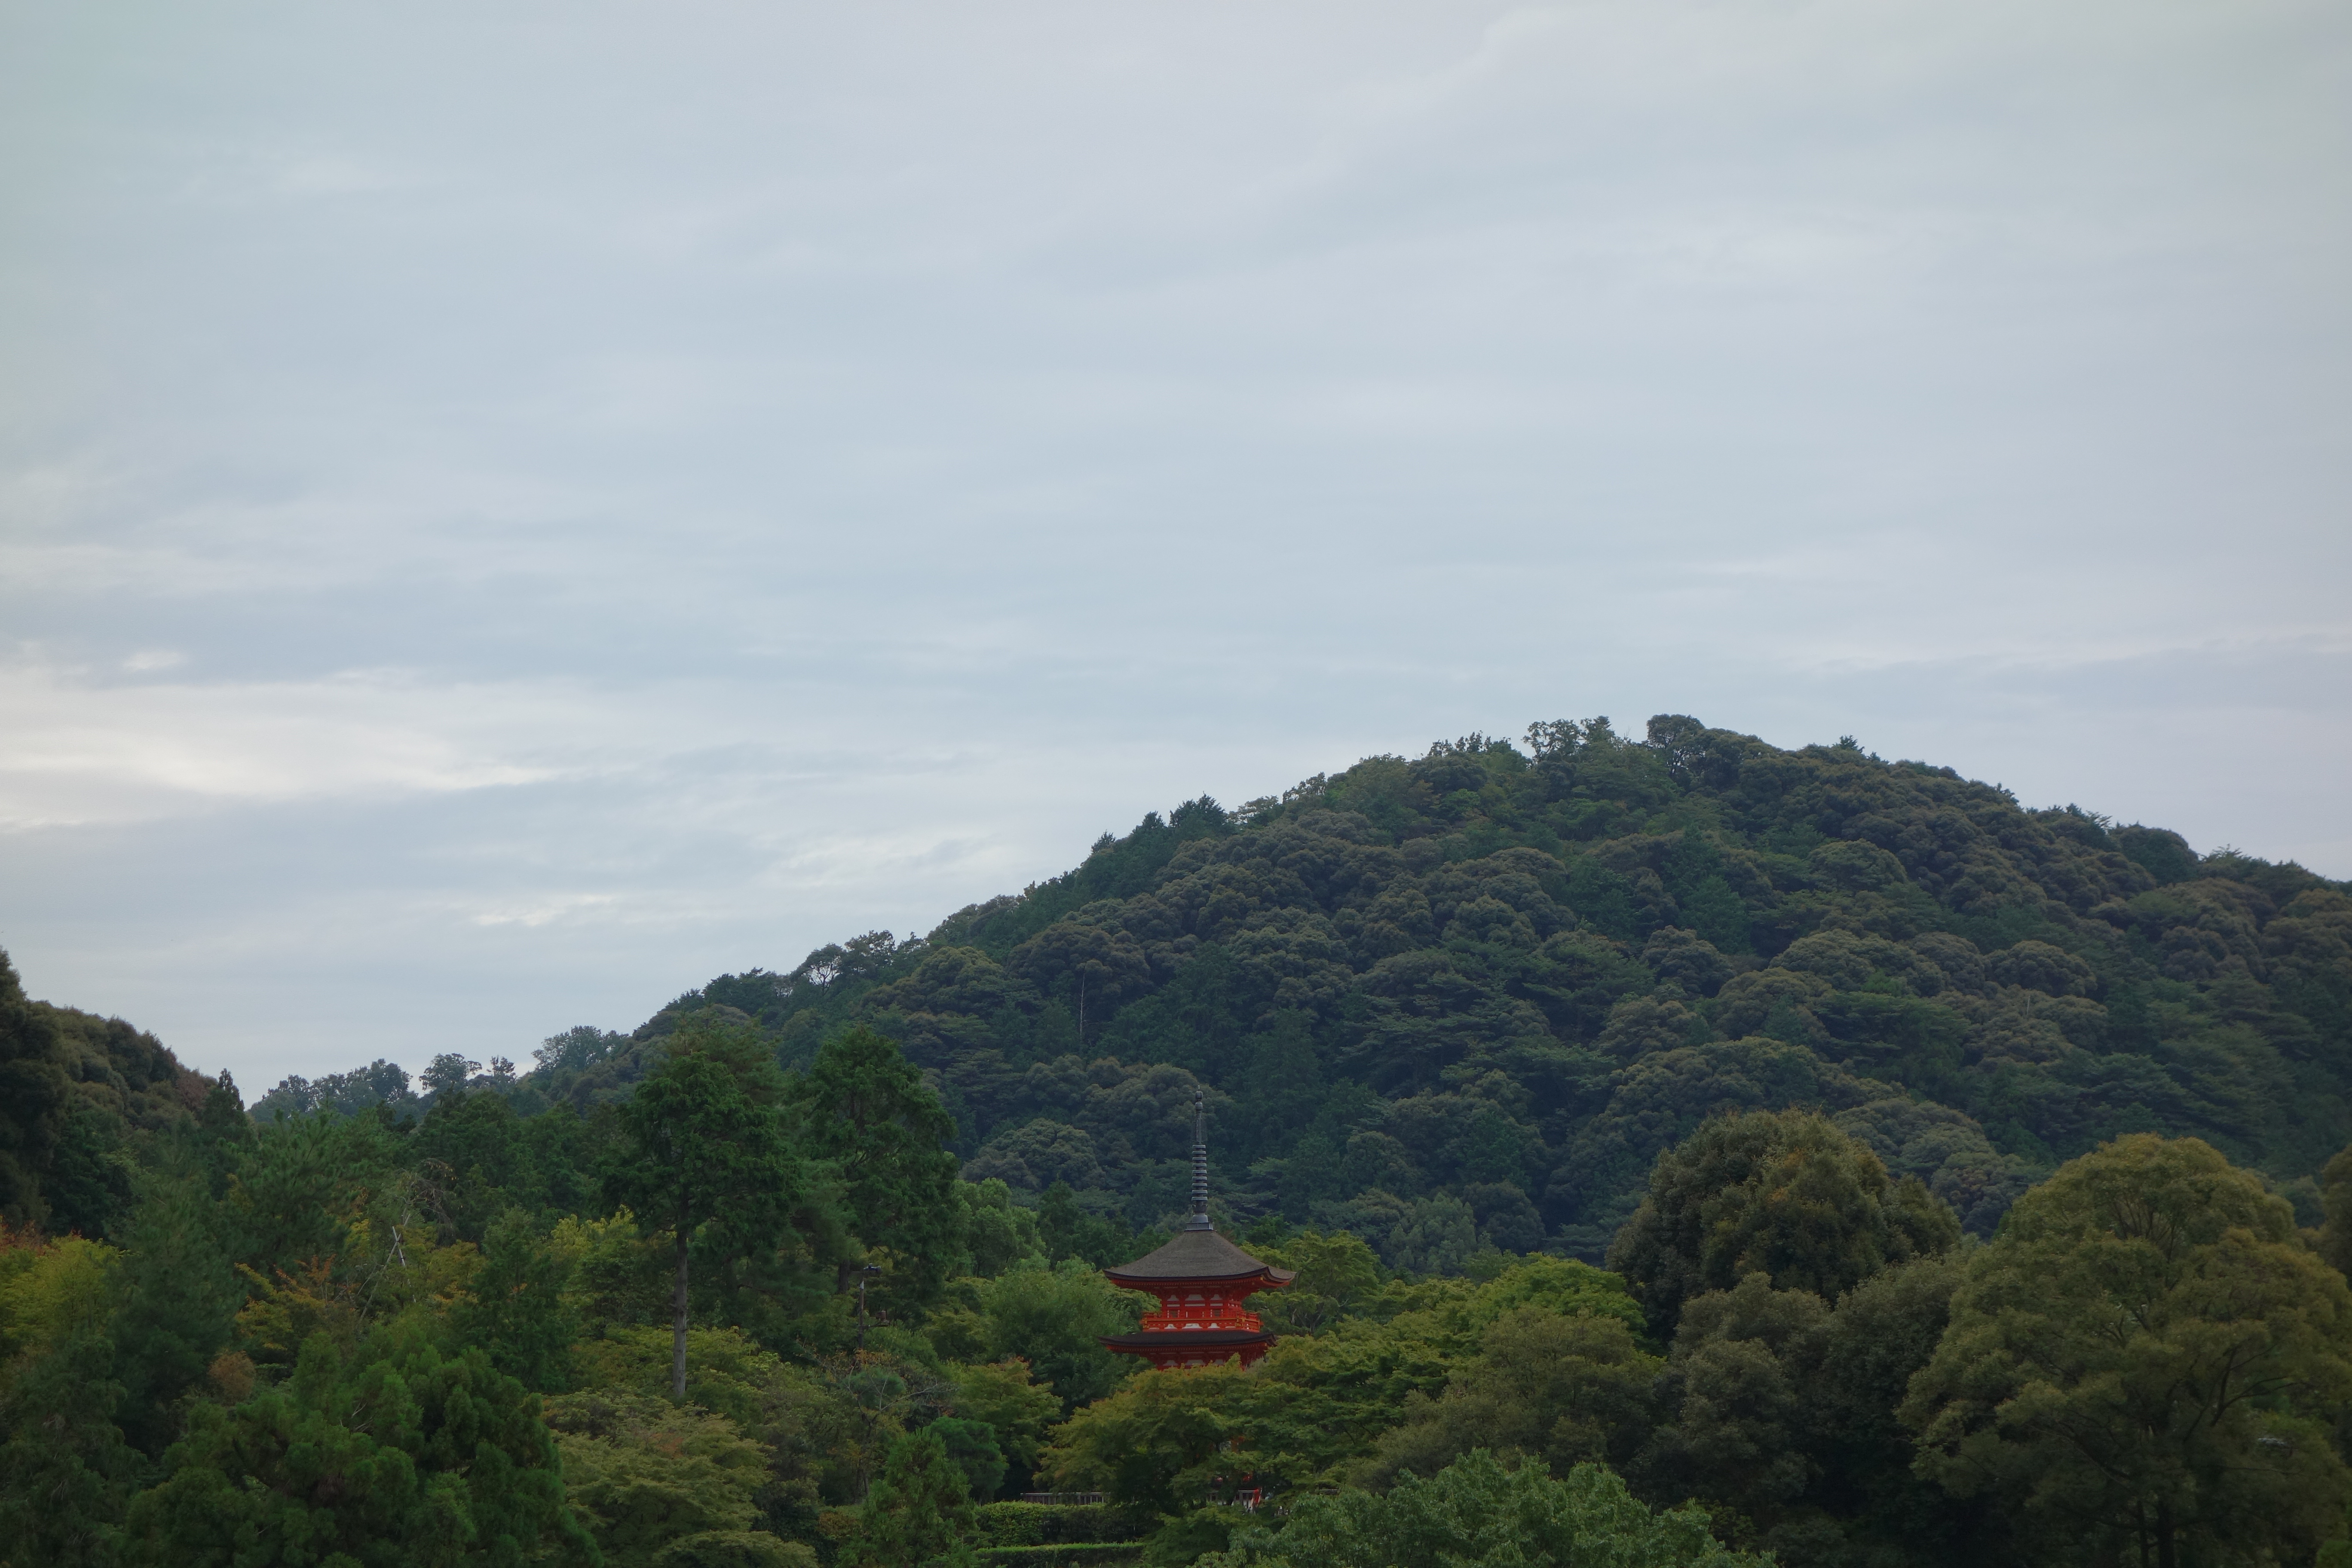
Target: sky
<point>509,512</point>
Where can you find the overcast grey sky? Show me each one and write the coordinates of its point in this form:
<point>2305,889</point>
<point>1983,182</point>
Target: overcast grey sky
<point>509,510</point>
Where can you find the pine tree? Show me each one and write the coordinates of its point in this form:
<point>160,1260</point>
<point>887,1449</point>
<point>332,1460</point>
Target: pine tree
<point>919,1513</point>
<point>396,1456</point>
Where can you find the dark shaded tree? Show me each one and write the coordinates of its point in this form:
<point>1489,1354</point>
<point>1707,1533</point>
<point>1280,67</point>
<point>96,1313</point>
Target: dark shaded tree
<point>708,1155</point>
<point>919,1514</point>
<point>33,1100</point>
<point>1783,1193</point>
<point>865,1111</point>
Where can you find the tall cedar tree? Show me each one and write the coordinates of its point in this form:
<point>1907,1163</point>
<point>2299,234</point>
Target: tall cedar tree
<point>866,1112</point>
<point>919,1514</point>
<point>709,1153</point>
<point>2147,1361</point>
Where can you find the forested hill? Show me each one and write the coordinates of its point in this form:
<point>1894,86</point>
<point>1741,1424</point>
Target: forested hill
<point>1465,1000</point>
<point>78,1094</point>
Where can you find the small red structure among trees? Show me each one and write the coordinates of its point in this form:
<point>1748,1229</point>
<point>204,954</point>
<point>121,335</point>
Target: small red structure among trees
<point>1201,1280</point>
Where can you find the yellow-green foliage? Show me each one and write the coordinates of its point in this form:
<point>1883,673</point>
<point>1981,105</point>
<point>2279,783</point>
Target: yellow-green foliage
<point>383,1268</point>
<point>48,1289</point>
<point>657,1482</point>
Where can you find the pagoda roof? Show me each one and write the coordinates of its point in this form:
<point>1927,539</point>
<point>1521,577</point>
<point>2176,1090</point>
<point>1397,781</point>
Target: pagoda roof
<point>1202,1254</point>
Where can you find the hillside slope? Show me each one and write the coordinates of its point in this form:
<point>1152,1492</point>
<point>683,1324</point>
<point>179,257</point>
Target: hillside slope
<point>78,1096</point>
<point>1466,999</point>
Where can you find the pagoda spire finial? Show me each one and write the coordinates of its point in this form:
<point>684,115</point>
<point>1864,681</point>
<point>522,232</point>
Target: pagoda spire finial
<point>1200,1220</point>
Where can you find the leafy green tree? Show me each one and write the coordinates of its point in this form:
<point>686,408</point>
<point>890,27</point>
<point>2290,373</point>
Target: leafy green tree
<point>1016,1410</point>
<point>1880,1335</point>
<point>999,1232</point>
<point>446,1076</point>
<point>660,1483</point>
<point>472,1151</point>
<point>1153,1444</point>
<point>87,1184</point>
<point>821,1432</point>
<point>1335,1274</point>
<point>2147,1361</point>
<point>295,1189</point>
<point>1053,1318</point>
<point>863,1107</point>
<point>1735,1393</point>
<point>397,1456</point>
<point>709,1155</point>
<point>1475,1510</point>
<point>1781,1192</point>
<point>2335,1201</point>
<point>1778,1410</point>
<point>1559,1390</point>
<point>919,1513</point>
<point>65,1471</point>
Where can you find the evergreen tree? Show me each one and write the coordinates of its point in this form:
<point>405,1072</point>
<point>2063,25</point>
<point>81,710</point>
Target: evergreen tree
<point>708,1150</point>
<point>396,1456</point>
<point>179,1294</point>
<point>515,1309</point>
<point>919,1514</point>
<point>866,1112</point>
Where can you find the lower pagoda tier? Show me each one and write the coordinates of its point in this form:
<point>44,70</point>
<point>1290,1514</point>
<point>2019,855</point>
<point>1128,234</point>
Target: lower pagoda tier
<point>1201,1280</point>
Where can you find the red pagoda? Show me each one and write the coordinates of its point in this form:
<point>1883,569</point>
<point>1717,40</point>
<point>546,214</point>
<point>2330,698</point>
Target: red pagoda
<point>1201,1280</point>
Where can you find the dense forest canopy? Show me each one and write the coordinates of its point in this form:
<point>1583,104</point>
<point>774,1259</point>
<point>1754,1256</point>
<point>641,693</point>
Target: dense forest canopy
<point>1686,1149</point>
<point>1466,1000</point>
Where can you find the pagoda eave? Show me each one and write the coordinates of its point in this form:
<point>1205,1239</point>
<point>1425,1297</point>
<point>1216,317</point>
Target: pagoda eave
<point>1266,1279</point>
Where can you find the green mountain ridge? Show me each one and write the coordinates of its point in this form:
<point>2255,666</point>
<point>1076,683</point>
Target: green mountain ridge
<point>1464,1001</point>
<point>1451,1014</point>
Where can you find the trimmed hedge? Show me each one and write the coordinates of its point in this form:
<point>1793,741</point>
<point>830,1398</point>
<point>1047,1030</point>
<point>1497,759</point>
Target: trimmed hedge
<point>1064,1554</point>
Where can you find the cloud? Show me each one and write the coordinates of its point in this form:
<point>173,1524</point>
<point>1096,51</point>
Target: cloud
<point>506,513</point>
<point>83,753</point>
